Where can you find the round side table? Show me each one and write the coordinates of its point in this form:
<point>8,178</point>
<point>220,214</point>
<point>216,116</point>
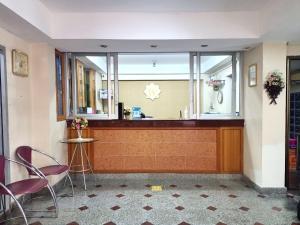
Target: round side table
<point>80,149</point>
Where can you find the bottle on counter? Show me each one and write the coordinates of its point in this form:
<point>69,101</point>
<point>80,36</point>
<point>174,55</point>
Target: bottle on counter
<point>186,113</point>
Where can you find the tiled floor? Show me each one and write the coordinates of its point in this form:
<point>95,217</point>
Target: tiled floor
<point>186,199</point>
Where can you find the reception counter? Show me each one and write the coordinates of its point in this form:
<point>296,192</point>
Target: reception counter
<point>178,146</point>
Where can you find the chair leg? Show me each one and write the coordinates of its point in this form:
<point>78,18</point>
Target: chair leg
<point>54,199</point>
<point>3,205</point>
<point>20,208</point>
<point>68,177</point>
<point>72,187</point>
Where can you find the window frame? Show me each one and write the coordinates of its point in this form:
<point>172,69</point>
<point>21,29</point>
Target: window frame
<point>108,56</point>
<point>62,55</point>
<point>195,57</point>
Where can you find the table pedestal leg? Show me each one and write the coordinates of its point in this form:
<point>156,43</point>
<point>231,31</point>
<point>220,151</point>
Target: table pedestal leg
<point>82,164</point>
<point>89,163</point>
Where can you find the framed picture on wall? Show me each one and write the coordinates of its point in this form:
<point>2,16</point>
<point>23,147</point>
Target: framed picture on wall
<point>252,75</point>
<point>20,63</point>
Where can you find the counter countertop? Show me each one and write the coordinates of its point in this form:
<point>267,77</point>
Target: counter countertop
<point>207,122</point>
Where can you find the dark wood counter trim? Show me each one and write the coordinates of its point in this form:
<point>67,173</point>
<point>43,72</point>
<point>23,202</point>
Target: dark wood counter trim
<point>165,123</point>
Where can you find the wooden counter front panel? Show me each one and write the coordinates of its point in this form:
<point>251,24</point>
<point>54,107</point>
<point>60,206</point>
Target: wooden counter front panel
<point>231,149</point>
<point>155,150</point>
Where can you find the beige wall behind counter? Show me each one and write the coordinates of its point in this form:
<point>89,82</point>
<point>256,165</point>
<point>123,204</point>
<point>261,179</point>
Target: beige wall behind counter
<point>174,97</point>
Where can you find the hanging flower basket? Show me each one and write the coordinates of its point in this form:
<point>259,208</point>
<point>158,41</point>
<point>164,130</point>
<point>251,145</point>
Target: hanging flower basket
<point>273,85</point>
<point>216,84</point>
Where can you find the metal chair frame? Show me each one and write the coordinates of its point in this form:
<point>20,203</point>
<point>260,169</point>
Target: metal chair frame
<point>18,203</point>
<point>41,173</point>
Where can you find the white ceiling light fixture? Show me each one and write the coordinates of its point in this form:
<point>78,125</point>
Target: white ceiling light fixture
<point>154,63</point>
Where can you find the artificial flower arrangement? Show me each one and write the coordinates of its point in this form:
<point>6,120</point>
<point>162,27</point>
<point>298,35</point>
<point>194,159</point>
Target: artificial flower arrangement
<point>127,111</point>
<point>273,85</point>
<point>78,124</point>
<point>216,84</point>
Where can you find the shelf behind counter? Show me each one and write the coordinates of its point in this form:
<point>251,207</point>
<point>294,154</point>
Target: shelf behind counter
<point>181,146</point>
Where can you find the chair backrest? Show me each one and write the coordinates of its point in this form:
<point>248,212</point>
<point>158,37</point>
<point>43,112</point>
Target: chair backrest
<point>2,169</point>
<point>24,153</point>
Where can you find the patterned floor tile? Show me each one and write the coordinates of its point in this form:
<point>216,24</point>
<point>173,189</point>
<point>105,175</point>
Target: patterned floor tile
<point>73,223</point>
<point>36,223</point>
<point>211,208</point>
<point>147,208</point>
<point>146,223</point>
<point>210,204</point>
<point>184,223</point>
<point>82,208</point>
<point>120,195</point>
<point>110,223</point>
<point>180,208</point>
<point>92,196</point>
<point>232,196</point>
<point>261,196</point>
<point>277,209</point>
<point>243,208</point>
<point>115,208</point>
<point>50,208</point>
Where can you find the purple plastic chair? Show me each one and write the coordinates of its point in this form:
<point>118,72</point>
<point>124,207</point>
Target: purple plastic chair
<point>22,187</point>
<point>24,153</point>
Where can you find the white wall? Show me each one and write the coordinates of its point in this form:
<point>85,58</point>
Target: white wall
<point>46,131</point>
<point>253,117</point>
<point>264,146</point>
<point>19,100</point>
<point>273,119</point>
<point>293,49</point>
<point>32,103</point>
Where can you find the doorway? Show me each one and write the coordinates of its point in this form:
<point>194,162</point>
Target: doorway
<point>293,124</point>
<point>4,150</point>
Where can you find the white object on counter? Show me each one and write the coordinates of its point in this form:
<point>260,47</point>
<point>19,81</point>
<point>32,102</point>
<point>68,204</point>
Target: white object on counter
<point>186,113</point>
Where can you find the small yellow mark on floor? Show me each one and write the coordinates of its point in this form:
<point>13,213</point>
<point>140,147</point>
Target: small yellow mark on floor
<point>156,188</point>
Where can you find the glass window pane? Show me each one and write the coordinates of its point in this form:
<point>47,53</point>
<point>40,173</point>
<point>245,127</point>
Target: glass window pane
<point>59,84</point>
<point>216,84</point>
<point>60,88</point>
<point>164,74</point>
<point>70,86</point>
<point>112,78</point>
<point>92,95</point>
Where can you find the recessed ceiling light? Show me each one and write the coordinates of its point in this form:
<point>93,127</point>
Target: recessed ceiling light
<point>153,46</point>
<point>204,46</point>
<point>103,46</point>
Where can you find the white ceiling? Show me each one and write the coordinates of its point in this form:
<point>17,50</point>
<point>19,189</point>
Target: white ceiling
<point>159,58</point>
<point>130,46</point>
<point>134,25</point>
<point>153,5</point>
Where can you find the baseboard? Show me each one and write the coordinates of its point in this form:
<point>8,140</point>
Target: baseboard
<point>263,190</point>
